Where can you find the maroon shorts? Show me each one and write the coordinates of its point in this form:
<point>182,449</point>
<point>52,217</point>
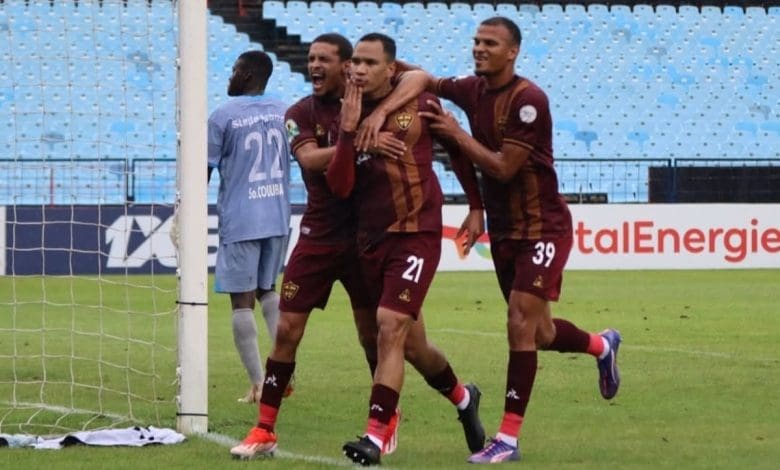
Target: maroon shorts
<point>399,269</point>
<point>311,272</point>
<point>533,266</point>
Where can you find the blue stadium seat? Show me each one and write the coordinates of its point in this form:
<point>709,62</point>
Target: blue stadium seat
<point>618,79</point>
<point>529,9</point>
<point>272,9</point>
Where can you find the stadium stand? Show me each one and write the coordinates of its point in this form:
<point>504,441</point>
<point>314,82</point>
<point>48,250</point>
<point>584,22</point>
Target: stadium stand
<point>630,87</point>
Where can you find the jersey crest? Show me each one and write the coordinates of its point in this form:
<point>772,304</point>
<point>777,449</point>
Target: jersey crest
<point>404,120</point>
<point>289,290</point>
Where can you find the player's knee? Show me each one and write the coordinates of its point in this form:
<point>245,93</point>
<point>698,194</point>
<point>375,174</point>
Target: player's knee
<point>393,329</point>
<point>289,331</point>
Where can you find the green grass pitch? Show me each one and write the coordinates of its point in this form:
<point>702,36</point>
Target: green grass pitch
<point>699,363</point>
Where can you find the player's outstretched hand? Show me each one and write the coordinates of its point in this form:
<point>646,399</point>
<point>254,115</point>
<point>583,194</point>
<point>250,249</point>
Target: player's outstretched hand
<point>389,146</point>
<point>443,123</point>
<point>472,228</point>
<point>351,106</point>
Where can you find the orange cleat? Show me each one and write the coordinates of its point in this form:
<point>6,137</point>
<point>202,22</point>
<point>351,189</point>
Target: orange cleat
<point>258,443</point>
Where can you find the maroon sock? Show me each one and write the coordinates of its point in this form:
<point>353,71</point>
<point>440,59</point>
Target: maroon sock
<point>277,376</point>
<point>444,382</point>
<point>569,338</point>
<point>382,405</point>
<point>520,375</point>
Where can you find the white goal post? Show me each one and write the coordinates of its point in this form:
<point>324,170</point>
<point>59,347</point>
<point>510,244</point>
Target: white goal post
<point>192,415</point>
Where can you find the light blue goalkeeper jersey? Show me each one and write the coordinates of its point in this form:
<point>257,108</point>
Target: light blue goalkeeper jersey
<point>248,145</point>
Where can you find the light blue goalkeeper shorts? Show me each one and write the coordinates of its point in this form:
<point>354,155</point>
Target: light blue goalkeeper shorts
<point>248,265</point>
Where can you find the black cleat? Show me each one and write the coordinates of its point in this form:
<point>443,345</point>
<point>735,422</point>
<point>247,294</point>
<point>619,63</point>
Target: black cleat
<point>469,418</point>
<point>362,452</point>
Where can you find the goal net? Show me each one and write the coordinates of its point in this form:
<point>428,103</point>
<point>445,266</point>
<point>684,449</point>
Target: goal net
<point>88,145</point>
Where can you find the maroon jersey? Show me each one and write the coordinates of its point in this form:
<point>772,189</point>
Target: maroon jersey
<point>397,195</point>
<point>528,206</point>
<point>327,219</point>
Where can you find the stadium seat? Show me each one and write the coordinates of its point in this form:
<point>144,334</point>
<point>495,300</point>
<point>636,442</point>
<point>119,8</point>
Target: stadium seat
<point>507,9</point>
<point>272,9</point>
<point>482,11</point>
<point>617,79</point>
<point>530,9</point>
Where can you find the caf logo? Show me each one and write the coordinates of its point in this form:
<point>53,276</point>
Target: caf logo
<point>539,282</point>
<point>404,120</point>
<point>292,129</point>
<point>289,289</point>
<point>405,296</point>
<point>319,131</point>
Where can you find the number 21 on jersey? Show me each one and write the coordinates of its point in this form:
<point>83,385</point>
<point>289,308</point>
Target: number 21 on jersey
<point>414,270</point>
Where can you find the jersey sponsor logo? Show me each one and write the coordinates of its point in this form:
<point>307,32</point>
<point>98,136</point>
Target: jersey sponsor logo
<point>527,114</point>
<point>248,121</point>
<point>362,158</point>
<point>289,290</point>
<point>501,122</point>
<point>405,296</point>
<point>539,282</point>
<point>404,120</point>
<point>292,129</point>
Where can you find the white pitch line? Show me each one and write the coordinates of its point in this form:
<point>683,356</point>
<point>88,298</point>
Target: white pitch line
<point>691,352</point>
<point>66,410</point>
<point>227,441</point>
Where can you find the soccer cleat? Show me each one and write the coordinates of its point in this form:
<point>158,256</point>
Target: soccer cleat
<point>609,375</point>
<point>253,395</point>
<point>258,443</point>
<point>469,418</point>
<point>391,437</point>
<point>362,452</point>
<point>497,451</point>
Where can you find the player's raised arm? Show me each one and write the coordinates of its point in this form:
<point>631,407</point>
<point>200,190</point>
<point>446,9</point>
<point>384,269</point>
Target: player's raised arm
<point>501,165</point>
<point>341,170</point>
<point>410,85</point>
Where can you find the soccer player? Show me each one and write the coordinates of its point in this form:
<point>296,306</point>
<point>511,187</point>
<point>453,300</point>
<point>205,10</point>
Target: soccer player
<point>326,250</point>
<point>529,223</point>
<point>247,144</point>
<point>398,204</point>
